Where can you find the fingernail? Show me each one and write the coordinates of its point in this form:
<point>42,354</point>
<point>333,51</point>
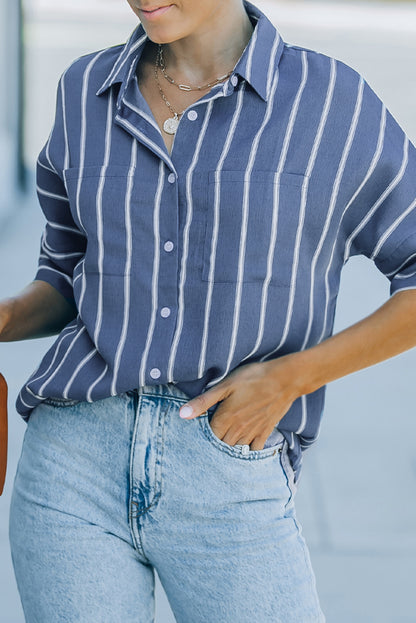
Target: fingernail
<point>185,411</point>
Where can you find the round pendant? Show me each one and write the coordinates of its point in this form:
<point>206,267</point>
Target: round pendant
<point>171,125</point>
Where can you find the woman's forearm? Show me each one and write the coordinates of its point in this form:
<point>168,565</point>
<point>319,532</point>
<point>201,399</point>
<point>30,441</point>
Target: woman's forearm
<point>389,331</point>
<point>38,311</point>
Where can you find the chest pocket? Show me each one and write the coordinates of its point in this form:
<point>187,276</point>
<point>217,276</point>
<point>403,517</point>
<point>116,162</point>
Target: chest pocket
<point>97,197</point>
<point>251,226</point>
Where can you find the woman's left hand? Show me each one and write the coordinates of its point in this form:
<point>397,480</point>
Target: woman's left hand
<point>254,398</point>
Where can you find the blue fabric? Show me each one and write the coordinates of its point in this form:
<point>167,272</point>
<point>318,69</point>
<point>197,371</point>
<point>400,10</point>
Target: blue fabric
<point>107,492</point>
<point>230,249</point>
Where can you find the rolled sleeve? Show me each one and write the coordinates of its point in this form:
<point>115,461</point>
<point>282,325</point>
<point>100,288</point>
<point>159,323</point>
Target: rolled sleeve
<point>62,244</point>
<point>386,232</point>
<point>403,277</point>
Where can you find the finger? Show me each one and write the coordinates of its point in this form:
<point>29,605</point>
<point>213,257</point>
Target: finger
<point>198,405</point>
<point>257,444</point>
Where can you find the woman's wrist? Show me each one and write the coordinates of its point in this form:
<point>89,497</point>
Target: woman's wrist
<point>295,373</point>
<point>6,314</point>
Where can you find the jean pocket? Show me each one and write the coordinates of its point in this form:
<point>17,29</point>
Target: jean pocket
<point>239,451</point>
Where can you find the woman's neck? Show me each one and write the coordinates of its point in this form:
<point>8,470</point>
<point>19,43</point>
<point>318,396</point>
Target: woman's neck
<point>210,52</point>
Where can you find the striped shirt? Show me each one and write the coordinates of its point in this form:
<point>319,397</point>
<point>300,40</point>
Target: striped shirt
<point>229,250</point>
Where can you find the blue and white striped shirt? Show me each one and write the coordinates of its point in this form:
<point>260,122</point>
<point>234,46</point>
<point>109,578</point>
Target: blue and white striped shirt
<point>229,250</point>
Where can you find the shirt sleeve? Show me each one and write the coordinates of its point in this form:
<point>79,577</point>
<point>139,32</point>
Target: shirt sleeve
<point>62,244</point>
<point>385,204</point>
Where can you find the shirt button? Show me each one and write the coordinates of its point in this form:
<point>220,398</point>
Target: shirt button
<point>165,312</point>
<point>168,246</point>
<point>171,178</point>
<point>234,80</point>
<point>155,373</point>
<point>192,115</point>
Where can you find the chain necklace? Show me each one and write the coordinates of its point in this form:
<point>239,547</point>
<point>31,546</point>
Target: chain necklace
<point>186,87</point>
<point>170,125</point>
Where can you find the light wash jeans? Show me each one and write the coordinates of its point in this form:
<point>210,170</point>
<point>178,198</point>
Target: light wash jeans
<point>106,492</point>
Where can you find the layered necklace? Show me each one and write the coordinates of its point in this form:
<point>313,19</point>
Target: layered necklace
<point>170,125</point>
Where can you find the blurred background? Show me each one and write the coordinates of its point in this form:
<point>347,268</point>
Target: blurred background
<point>356,498</point>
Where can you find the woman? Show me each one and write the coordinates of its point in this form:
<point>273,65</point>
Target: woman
<point>203,186</point>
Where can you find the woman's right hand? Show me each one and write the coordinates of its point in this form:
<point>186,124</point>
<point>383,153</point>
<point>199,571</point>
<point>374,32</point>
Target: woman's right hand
<point>38,311</point>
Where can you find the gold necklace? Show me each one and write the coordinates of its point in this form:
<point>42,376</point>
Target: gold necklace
<point>186,87</point>
<point>170,125</point>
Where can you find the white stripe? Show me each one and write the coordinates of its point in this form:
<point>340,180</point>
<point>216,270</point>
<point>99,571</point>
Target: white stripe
<point>85,83</point>
<point>397,270</point>
<point>305,188</point>
<point>155,273</point>
<point>326,280</point>
<point>140,112</point>
<point>127,266</point>
<point>99,217</point>
<point>405,276</point>
<point>304,418</point>
<point>391,229</point>
<point>79,367</point>
<point>146,141</point>
<point>83,136</point>
<point>93,386</point>
<point>249,66</point>
<point>304,193</point>
<point>45,167</point>
<point>381,199</point>
<point>46,193</point>
<point>369,173</point>
<point>47,154</point>
<point>64,358</point>
<point>66,332</point>
<point>58,272</point>
<point>73,230</point>
<point>32,406</point>
<point>185,243</point>
<point>272,244</point>
<point>283,156</point>
<point>272,63</point>
<point>243,232</point>
<point>76,278</point>
<point>374,162</point>
<point>331,208</point>
<point>66,157</point>
<point>59,256</point>
<point>127,52</point>
<point>214,239</point>
<point>247,176</point>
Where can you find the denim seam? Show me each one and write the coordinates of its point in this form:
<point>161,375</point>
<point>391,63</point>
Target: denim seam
<point>287,470</point>
<point>137,541</point>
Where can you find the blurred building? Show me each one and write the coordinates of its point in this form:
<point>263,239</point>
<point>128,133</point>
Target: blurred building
<point>11,105</point>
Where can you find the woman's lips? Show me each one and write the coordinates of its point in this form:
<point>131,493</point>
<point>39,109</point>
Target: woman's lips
<point>151,14</point>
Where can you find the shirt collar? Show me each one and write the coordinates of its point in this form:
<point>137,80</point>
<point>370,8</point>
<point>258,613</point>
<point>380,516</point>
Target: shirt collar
<point>261,55</point>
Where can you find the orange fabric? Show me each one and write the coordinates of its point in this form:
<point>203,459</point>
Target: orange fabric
<point>3,431</point>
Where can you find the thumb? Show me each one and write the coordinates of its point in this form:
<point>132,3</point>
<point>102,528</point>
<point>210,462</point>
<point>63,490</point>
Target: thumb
<point>198,405</point>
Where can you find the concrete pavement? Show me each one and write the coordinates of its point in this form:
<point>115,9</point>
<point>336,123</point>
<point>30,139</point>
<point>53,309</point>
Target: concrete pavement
<point>356,498</point>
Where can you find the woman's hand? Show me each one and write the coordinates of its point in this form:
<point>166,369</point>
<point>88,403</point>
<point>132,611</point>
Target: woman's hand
<point>254,398</point>
<point>38,311</point>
